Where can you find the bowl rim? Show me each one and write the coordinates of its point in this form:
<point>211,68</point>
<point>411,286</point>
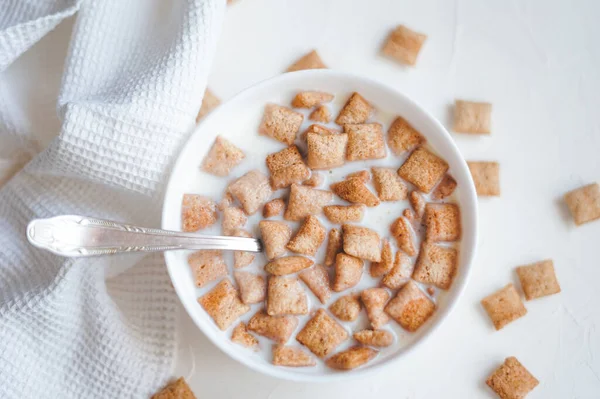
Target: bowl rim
<point>467,263</point>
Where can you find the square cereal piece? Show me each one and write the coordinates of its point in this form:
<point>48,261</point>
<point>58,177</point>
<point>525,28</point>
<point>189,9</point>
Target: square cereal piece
<point>362,175</point>
<point>197,212</point>
<point>341,213</point>
<point>252,190</point>
<point>418,203</point>
<point>273,207</point>
<point>378,269</point>
<point>286,297</point>
<point>334,246</point>
<point>374,300</point>
<point>315,180</point>
<point>287,265</point>
<point>388,185</point>
<point>472,117</point>
<point>322,334</point>
<point>354,190</point>
<point>362,242</point>
<point>312,60</point>
<point>320,114</point>
<point>326,151</point>
<point>291,357</point>
<point>240,335</point>
<point>242,258</point>
<point>584,203</point>
<point>512,380</point>
<point>365,141</point>
<point>222,157</point>
<point>309,237</point>
<point>317,280</point>
<point>404,236</point>
<point>356,110</point>
<point>305,201</point>
<point>436,265</point>
<point>309,99</point>
<point>209,102</point>
<point>486,176</point>
<point>504,306</point>
<point>411,307</point>
<point>400,273</point>
<point>538,279</point>
<point>378,338</point>
<point>177,389</point>
<point>445,188</point>
<point>348,271</point>
<point>442,222</point>
<point>275,236</point>
<point>403,45</point>
<point>207,265</point>
<point>286,167</point>
<point>223,304</point>
<point>252,287</point>
<point>346,308</point>
<point>233,219</point>
<point>403,137</point>
<point>276,328</point>
<point>351,358</point>
<point>280,123</point>
<point>423,169</point>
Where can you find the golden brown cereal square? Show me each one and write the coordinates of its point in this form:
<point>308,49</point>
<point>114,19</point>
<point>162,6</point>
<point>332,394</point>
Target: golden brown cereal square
<point>321,114</point>
<point>504,306</point>
<point>223,304</point>
<point>197,212</point>
<point>423,169</point>
<point>442,222</point>
<point>341,213</point>
<point>512,380</point>
<point>287,265</point>
<point>418,203</point>
<point>240,335</point>
<point>403,45</point>
<point>356,110</point>
<point>309,237</point>
<point>233,219</point>
<point>309,99</point>
<point>472,117</point>
<point>317,279</point>
<point>280,123</point>
<point>291,357</point>
<point>404,236</point>
<point>275,236</point>
<point>252,287</point>
<point>365,141</point>
<point>287,167</point>
<point>209,102</point>
<point>222,157</point>
<point>445,188</point>
<point>326,151</point>
<point>584,203</point>
<point>346,308</point>
<point>334,246</point>
<point>305,201</point>
<point>388,185</point>
<point>486,176</point>
<point>322,334</point>
<point>374,300</point>
<point>362,242</point>
<point>400,273</point>
<point>207,265</point>
<point>276,328</point>
<point>411,307</point>
<point>378,338</point>
<point>273,207</point>
<point>354,190</point>
<point>242,258</point>
<point>351,358</point>
<point>252,190</point>
<point>315,180</point>
<point>348,271</point>
<point>378,269</point>
<point>177,389</point>
<point>538,279</point>
<point>286,297</point>
<point>312,60</point>
<point>403,137</point>
<point>436,265</point>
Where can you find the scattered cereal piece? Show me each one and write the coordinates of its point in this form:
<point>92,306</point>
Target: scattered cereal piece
<point>504,306</point>
<point>305,201</point>
<point>233,219</point>
<point>356,110</point>
<point>351,358</point>
<point>378,338</point>
<point>287,265</point>
<point>354,190</point>
<point>317,279</point>
<point>207,265</point>
<point>346,308</point>
<point>322,334</point>
<point>315,180</point>
<point>273,207</point>
<point>252,287</point>
<point>388,185</point>
<point>309,237</point>
<point>334,246</point>
<point>177,389</point>
<point>365,141</point>
<point>209,102</point>
<point>442,222</point>
<point>512,380</point>
<point>286,296</point>
<point>411,307</point>
<point>222,157</point>
<point>538,279</point>
<point>430,291</point>
<point>374,300</point>
<point>309,99</point>
<point>326,151</point>
<point>362,242</point>
<point>252,190</point>
<point>342,214</point>
<point>226,202</point>
<point>280,123</point>
<point>348,271</point>
<point>436,265</point>
<point>312,60</point>
<point>363,175</point>
<point>242,258</point>
<point>223,304</point>
<point>584,203</point>
<point>378,269</point>
<point>445,188</point>
<point>276,328</point>
<point>403,234</point>
<point>403,45</point>
<point>486,176</point>
<point>287,167</point>
<point>472,117</point>
<point>321,114</point>
<point>418,203</point>
<point>423,169</point>
<point>275,236</point>
<point>291,357</point>
<point>319,129</point>
<point>403,137</point>
<point>197,212</point>
<point>400,273</point>
<point>240,335</point>
<point>410,215</point>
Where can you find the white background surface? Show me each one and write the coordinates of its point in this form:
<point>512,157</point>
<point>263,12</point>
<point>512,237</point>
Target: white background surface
<point>538,62</point>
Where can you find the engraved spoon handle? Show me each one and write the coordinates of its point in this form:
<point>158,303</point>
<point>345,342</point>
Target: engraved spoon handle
<point>77,236</point>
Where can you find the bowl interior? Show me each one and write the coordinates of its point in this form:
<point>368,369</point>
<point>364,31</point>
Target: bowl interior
<point>238,120</point>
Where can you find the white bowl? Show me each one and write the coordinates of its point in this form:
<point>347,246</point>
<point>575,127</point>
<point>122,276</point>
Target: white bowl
<point>238,120</point>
